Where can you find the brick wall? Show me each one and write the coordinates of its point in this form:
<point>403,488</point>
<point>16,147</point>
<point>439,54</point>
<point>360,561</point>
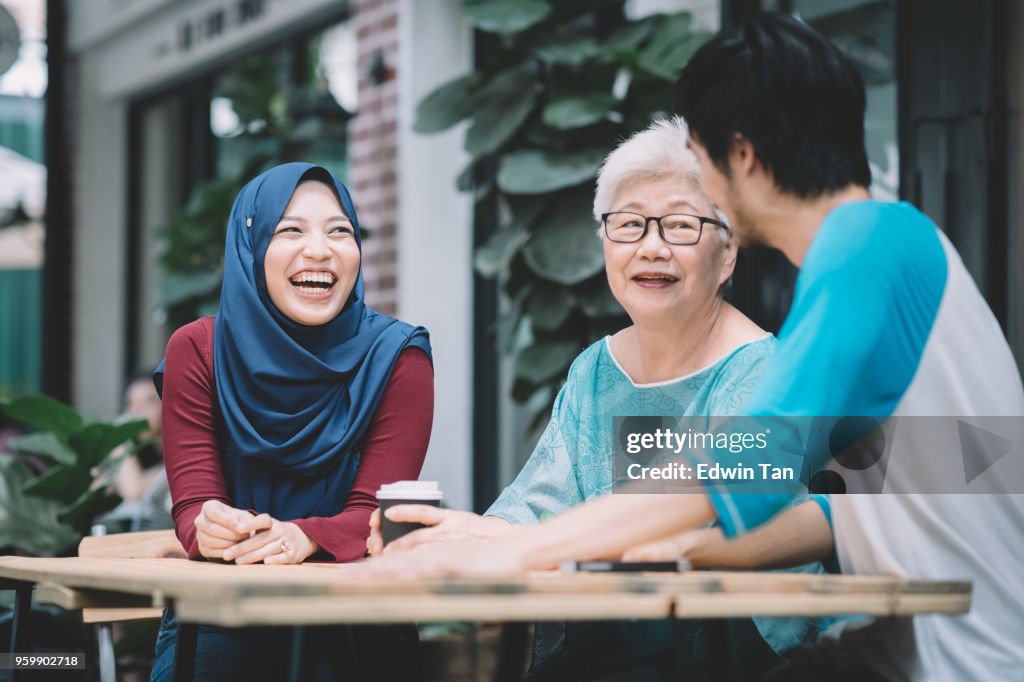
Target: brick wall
<point>373,159</point>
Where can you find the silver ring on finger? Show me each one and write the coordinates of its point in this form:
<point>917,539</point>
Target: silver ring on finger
<point>284,547</point>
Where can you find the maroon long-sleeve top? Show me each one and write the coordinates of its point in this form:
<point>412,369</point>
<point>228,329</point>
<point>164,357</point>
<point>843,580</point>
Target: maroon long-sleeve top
<point>193,431</point>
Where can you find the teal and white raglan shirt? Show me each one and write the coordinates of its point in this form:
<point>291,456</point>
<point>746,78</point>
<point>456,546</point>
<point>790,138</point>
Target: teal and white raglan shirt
<point>886,321</point>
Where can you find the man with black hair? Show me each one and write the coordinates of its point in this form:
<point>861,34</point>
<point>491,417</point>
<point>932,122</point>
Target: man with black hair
<point>885,321</point>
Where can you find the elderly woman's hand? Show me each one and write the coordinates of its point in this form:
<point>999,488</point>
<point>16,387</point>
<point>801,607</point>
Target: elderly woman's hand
<point>446,525</point>
<point>375,543</point>
<point>485,558</point>
<point>272,542</point>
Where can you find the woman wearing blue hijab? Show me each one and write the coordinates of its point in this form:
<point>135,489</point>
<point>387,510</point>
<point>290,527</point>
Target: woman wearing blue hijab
<point>285,413</point>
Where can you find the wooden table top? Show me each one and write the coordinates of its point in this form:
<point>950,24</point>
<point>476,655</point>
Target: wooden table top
<point>312,593</point>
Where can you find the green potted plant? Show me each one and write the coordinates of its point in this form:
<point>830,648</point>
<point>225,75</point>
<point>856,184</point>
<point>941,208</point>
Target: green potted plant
<point>48,499</point>
<point>565,82</point>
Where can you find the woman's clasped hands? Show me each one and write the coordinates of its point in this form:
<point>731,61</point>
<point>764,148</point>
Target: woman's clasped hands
<point>224,532</point>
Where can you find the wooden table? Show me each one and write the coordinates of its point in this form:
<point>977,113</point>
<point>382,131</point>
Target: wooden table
<point>308,594</point>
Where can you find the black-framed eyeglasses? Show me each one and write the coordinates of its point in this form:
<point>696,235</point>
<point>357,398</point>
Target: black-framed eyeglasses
<point>681,229</point>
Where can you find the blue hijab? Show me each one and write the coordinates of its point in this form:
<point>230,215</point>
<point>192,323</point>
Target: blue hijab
<point>297,400</point>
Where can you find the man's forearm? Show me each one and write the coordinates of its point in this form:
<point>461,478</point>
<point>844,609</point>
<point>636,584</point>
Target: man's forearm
<point>796,536</point>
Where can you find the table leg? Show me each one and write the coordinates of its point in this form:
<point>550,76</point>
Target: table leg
<point>718,661</point>
<point>295,665</point>
<point>511,652</point>
<point>105,652</point>
<point>350,647</point>
<point>20,623</point>
<point>185,652</point>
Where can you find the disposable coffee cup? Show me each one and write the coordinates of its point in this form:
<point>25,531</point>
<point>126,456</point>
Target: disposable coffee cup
<point>405,492</point>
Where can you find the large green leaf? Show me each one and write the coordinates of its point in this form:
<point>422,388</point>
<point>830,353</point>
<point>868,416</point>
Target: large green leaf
<point>447,105</point>
<point>525,209</point>
<point>92,503</point>
<point>45,413</point>
<point>29,524</point>
<point>548,307</point>
<point>546,360</point>
<point>576,112</point>
<point>45,444</point>
<point>544,152</point>
<point>571,52</point>
<point>564,247</point>
<point>512,327</point>
<point>97,440</point>
<point>537,172</point>
<point>648,98</point>
<point>671,46</point>
<point>494,256</point>
<point>502,16</point>
<point>506,102</point>
<point>63,483</point>
<point>631,35</point>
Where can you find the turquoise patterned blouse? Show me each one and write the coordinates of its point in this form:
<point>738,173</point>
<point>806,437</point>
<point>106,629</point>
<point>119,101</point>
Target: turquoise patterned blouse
<point>572,460</point>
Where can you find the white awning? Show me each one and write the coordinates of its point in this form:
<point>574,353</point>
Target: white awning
<point>23,181</point>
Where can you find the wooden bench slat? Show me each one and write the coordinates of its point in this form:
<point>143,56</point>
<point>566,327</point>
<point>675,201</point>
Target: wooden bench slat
<point>153,544</point>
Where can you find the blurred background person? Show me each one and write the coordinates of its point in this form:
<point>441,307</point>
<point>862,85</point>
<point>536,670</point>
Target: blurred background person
<point>137,472</point>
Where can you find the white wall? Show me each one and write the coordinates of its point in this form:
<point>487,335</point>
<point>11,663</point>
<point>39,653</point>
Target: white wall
<point>435,235</point>
<point>98,274</point>
<point>160,188</point>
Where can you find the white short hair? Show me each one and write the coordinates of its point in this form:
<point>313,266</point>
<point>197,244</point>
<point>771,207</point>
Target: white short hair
<point>658,152</point>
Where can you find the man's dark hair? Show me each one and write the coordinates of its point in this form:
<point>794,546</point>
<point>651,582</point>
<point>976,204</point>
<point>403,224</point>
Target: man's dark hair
<point>789,91</point>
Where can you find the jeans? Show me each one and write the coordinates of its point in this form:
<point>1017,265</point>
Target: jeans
<point>264,653</point>
<point>655,650</point>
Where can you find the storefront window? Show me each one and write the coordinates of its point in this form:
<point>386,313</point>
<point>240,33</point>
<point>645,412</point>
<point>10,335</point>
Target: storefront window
<point>288,104</point>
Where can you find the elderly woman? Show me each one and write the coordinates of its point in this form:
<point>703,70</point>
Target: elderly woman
<point>668,259</point>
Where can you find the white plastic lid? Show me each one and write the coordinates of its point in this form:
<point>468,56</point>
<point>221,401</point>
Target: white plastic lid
<point>410,490</point>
